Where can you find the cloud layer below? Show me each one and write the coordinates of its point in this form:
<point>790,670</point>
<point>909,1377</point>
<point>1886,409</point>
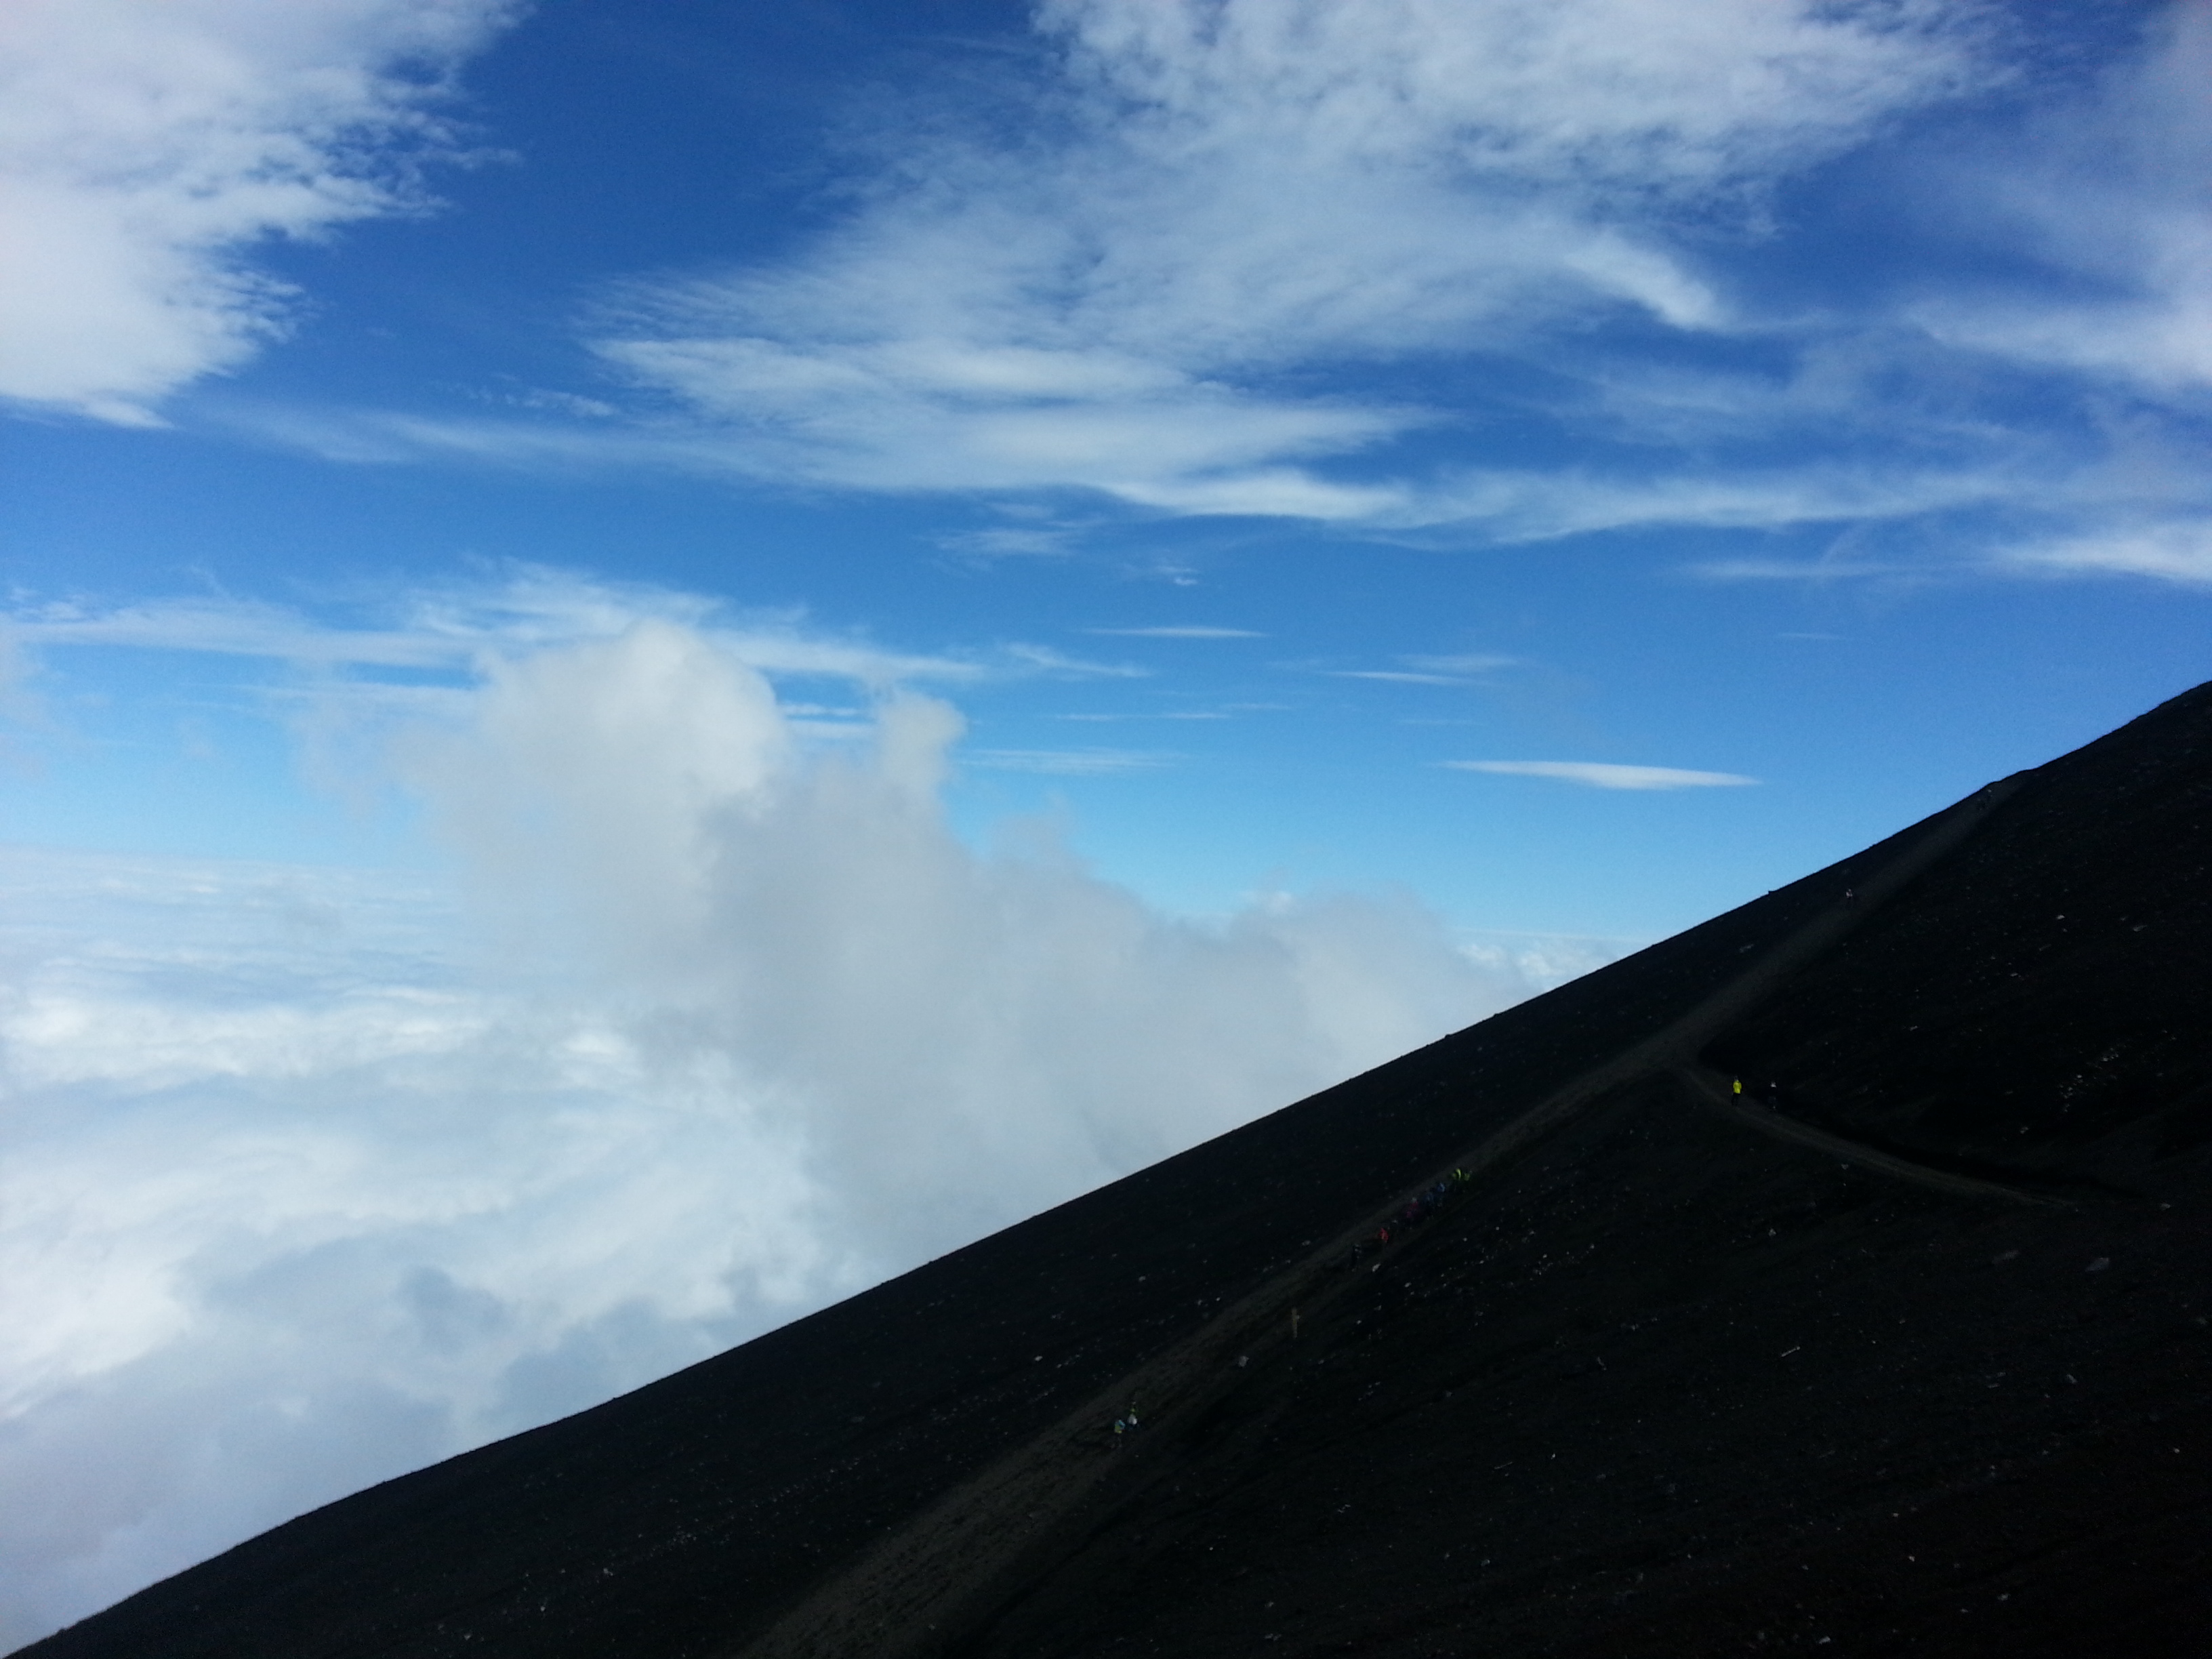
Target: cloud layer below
<point>313,1177</point>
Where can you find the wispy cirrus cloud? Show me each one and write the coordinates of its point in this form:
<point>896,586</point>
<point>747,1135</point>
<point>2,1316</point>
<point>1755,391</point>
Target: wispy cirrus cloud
<point>1459,668</point>
<point>1088,718</point>
<point>456,626</point>
<point>1461,662</point>
<point>1238,188</point>
<point>1606,775</point>
<point>1247,260</point>
<point>2174,552</point>
<point>2107,192</point>
<point>1011,542</point>
<point>146,145</point>
<point>1255,259</point>
<point>1397,675</point>
<point>1179,631</point>
<point>1043,659</point>
<point>1071,763</point>
<point>1814,571</point>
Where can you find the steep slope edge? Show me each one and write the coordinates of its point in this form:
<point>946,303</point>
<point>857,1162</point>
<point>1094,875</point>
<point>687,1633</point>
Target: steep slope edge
<point>709,1512</point>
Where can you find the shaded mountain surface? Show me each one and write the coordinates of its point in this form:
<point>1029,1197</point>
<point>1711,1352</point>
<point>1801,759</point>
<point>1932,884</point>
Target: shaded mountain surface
<point>1904,1349</point>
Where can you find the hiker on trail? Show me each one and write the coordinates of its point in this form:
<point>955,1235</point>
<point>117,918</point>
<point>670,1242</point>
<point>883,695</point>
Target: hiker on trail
<point>1121,1428</point>
<point>1739,1088</point>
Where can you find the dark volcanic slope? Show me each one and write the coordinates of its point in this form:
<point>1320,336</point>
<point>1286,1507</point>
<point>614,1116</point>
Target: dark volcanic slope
<point>1666,1380</point>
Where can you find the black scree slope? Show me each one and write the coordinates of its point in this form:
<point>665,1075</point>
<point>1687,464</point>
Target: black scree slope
<point>1542,1341</point>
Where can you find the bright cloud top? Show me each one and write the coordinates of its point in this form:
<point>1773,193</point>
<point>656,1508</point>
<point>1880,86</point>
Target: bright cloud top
<point>146,145</point>
<point>1605,774</point>
<point>308,1184</point>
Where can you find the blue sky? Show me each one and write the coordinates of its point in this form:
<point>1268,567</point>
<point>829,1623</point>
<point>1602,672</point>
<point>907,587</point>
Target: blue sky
<point>595,591</point>
<point>1816,397</point>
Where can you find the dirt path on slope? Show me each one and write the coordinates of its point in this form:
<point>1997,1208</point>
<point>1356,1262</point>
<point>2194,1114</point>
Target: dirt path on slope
<point>1714,1091</point>
<point>943,1574</point>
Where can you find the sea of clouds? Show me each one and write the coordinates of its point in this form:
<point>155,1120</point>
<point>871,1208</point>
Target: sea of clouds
<point>311,1176</point>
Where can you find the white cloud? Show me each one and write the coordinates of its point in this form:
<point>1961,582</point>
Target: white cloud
<point>516,607</point>
<point>20,701</point>
<point>307,1183</point>
<point>1162,714</point>
<point>1191,285</point>
<point>1181,631</point>
<point>1457,668</point>
<point>1547,960</point>
<point>1397,675</point>
<point>227,627</point>
<point>2178,552</point>
<point>1604,774</point>
<point>1530,506</point>
<point>146,146</point>
<point>1043,659</point>
<point>1463,662</point>
<point>1071,763</point>
<point>2149,530</point>
<point>2107,190</point>
<point>1022,542</point>
<point>1234,187</point>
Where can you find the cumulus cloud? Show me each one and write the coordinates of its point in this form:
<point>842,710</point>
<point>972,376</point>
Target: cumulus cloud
<point>147,146</point>
<point>313,1177</point>
<point>1231,188</point>
<point>1605,774</point>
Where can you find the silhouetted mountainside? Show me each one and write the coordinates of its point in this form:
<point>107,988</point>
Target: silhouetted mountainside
<point>1904,1350</point>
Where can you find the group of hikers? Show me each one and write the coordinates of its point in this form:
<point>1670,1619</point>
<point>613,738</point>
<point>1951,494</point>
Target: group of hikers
<point>1418,1209</point>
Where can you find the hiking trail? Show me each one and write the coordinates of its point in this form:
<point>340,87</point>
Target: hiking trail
<point>939,1577</point>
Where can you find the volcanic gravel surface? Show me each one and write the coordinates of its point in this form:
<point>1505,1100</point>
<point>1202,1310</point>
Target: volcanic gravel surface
<point>1903,1349</point>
